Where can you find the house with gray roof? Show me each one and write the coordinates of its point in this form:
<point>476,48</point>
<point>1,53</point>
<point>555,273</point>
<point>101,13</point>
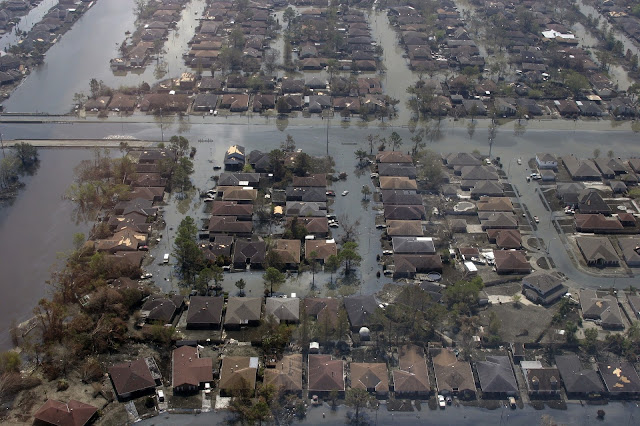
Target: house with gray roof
<point>543,288</point>
<point>284,310</point>
<point>591,202</point>
<point>630,248</point>
<point>243,311</point>
<point>602,309</point>
<point>598,251</point>
<point>546,161</point>
<point>359,310</point>
<point>578,380</point>
<point>498,220</point>
<point>496,376</point>
<point>568,192</point>
<point>413,245</point>
<point>580,169</point>
<point>620,378</point>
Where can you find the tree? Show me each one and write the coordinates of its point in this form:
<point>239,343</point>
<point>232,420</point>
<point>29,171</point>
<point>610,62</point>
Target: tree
<point>348,255</point>
<point>332,264</point>
<point>516,300</point>
<point>471,129</point>
<point>590,339</point>
<point>395,140</point>
<point>180,178</point>
<point>26,153</point>
<point>429,168</point>
<point>240,285</point>
<point>236,38</point>
<point>494,327</point>
<point>271,57</point>
<point>372,139</point>
<point>179,144</point>
<point>94,88</point>
<point>463,295</point>
<point>186,251</point>
<point>289,144</point>
<point>596,153</point>
<point>273,278</point>
<point>342,323</point>
<point>418,143</point>
<point>288,15</point>
<point>313,262</point>
<point>358,399</point>
<point>365,192</point>
<point>361,155</point>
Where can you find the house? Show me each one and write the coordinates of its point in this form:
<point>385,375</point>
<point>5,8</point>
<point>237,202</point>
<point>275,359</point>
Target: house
<point>580,169</point>
<point>505,238</point>
<point>322,249</point>
<point>411,379</point>
<point>189,371</point>
<point>262,102</point>
<point>401,197</point>
<point>73,413</point>
<point>630,248</point>
<point>472,174</point>
<point>597,251</point>
<point>316,226</point>
<point>603,309</point>
<point>229,225</point>
<point>205,312</point>
<point>240,195</point>
<point>461,159</point>
<point>134,378</point>
<point>567,108</point>
<point>610,167</point>
<point>620,378</point>
<point>487,188</point>
<point>634,304</point>
<point>124,240</point>
<point>249,253</point>
<point>235,102</point>
<point>591,202</point>
<point>315,180</point>
<point>288,251</point>
<point>205,102</point>
<point>306,209</point>
<point>511,262</point>
<point>453,376</point>
<point>413,245</point>
<point>627,219</point>
<point>292,86</point>
<point>546,161</point>
<point>322,309</point>
<point>359,310</point>
<point>397,169</point>
<point>234,158</point>
<point>543,288</point>
<point>122,102</point>
<point>618,187</point>
<point>494,204</point>
<point>370,376</point>
<point>161,309</point>
<point>400,212</point>
<point>407,265</point>
<point>306,194</point>
<point>286,375</point>
<point>597,223</point>
<point>404,228</point>
<point>578,381</point>
<point>541,381</point>
<point>500,220</point>
<point>232,208</point>
<point>243,311</point>
<point>393,157</point>
<point>397,182</point>
<point>238,373</point>
<point>568,192</point>
<point>283,310</point>
<point>325,375</point>
<point>496,376</point>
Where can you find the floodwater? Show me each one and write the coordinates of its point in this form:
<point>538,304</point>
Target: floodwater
<point>626,41</point>
<point>26,23</point>
<point>84,52</point>
<point>34,228</point>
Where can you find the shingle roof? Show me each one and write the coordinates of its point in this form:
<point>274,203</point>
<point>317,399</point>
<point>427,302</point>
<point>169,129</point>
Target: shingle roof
<point>359,309</point>
<point>205,310</point>
<point>287,374</point>
<point>73,413</point>
<point>283,309</point>
<point>369,375</point>
<point>131,376</point>
<point>496,375</point>
<point>412,375</point>
<point>240,310</point>
<point>238,372</point>
<point>325,373</point>
<point>189,368</point>
<point>576,378</point>
<point>451,373</point>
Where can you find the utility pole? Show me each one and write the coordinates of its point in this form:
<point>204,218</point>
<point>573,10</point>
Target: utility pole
<point>327,136</point>
<point>2,143</point>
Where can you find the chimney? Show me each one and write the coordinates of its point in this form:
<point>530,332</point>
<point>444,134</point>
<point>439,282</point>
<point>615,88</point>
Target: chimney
<point>554,382</point>
<point>535,383</point>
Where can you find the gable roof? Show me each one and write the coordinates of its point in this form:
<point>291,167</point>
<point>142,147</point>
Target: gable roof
<point>287,374</point>
<point>575,377</point>
<point>511,261</point>
<point>590,201</point>
<point>412,375</point>
<point>161,308</point>
<point>238,179</point>
<point>487,187</point>
<point>283,309</point>
<point>231,208</point>
<point>397,169</point>
<point>506,238</point>
<point>462,159</point>
<point>542,282</point>
<point>255,251</point>
<point>131,376</point>
<point>325,373</point>
<point>370,375</point>
<point>397,182</point>
<point>314,180</point>
<point>580,169</point>
<point>478,173</point>
<point>496,375</point>
<point>605,308</point>
<point>393,157</point>
<point>205,310</point>
<point>597,249</point>
<point>73,413</point>
<point>413,245</point>
<point>400,212</point>
<point>405,228</point>
<point>596,222</point>
<point>241,310</point>
<point>313,225</point>
<point>189,369</point>
<point>494,204</point>
<point>322,306</point>
<point>401,197</point>
<point>409,264</point>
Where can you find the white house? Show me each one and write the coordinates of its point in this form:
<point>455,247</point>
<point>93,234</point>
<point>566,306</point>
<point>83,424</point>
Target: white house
<point>546,161</point>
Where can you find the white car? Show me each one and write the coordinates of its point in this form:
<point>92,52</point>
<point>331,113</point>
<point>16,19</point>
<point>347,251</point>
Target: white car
<point>345,192</point>
<point>387,252</point>
<point>441,402</point>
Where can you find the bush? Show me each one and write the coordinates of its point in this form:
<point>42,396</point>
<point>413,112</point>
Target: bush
<point>63,385</point>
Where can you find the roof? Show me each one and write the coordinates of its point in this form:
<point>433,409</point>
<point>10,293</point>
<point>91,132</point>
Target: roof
<point>325,373</point>
<point>619,377</point>
<point>590,201</point>
<point>462,159</point>
<point>300,208</point>
<point>283,309</point>
<point>576,378</point>
<point>131,376</point>
<point>73,413</point>
<point>511,261</point>
<point>487,187</point>
<point>478,173</point>
<point>315,180</point>
<point>239,194</point>
<point>546,157</point>
<point>370,375</point>
<point>401,197</point>
<point>494,204</point>
<point>322,307</point>
<point>238,179</point>
<point>604,308</point>
<point>359,309</point>
<point>597,249</point>
<point>596,222</point>
<point>505,238</point>
<point>393,157</point>
<point>189,369</point>
<point>397,182</point>
<point>542,379</point>
<point>451,373</point>
<point>405,228</point>
<point>229,225</point>
<point>413,245</point>
<point>287,374</point>
<point>399,212</point>
<point>313,225</point>
<point>161,308</point>
<point>630,250</point>
<point>581,169</point>
<point>241,310</point>
<point>288,250</point>
<point>496,375</point>
<point>412,375</point>
<point>238,372</point>
<point>255,251</point>
<point>205,310</point>
<point>231,208</point>
<point>397,169</point>
<point>542,282</point>
<point>323,249</point>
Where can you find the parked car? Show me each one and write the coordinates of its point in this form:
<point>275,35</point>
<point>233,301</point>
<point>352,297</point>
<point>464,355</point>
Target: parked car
<point>345,192</point>
<point>441,402</point>
<point>331,193</point>
<point>160,395</point>
<point>535,218</point>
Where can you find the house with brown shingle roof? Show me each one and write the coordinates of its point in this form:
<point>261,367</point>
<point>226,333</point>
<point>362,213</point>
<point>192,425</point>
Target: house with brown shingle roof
<point>411,379</point>
<point>322,248</point>
<point>453,377</point>
<point>404,228</point>
<point>287,374</point>
<point>393,157</point>
<point>322,309</point>
<point>598,251</point>
<point>494,204</point>
<point>238,373</point>
<point>505,238</point>
<point>229,225</point>
<point>325,375</point>
<point>397,182</point>
<point>597,223</point>
<point>205,312</point>
<point>283,310</point>
<point>408,265</point>
<point>288,251</point>
<point>396,212</point>
<point>370,376</point>
<point>240,195</point>
<point>232,208</point>
<point>498,220</point>
<point>134,378</point>
<point>318,226</point>
<point>249,253</point>
<point>73,413</point>
<point>243,311</point>
<point>511,262</point>
<point>189,371</point>
<point>314,180</point>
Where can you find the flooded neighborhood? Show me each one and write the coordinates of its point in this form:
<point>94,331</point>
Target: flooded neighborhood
<point>312,211</point>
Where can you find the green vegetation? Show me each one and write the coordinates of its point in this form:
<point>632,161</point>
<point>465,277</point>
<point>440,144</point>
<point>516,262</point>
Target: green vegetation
<point>272,278</point>
<point>186,251</point>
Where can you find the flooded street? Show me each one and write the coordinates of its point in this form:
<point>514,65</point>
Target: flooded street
<point>84,52</point>
<point>37,226</point>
